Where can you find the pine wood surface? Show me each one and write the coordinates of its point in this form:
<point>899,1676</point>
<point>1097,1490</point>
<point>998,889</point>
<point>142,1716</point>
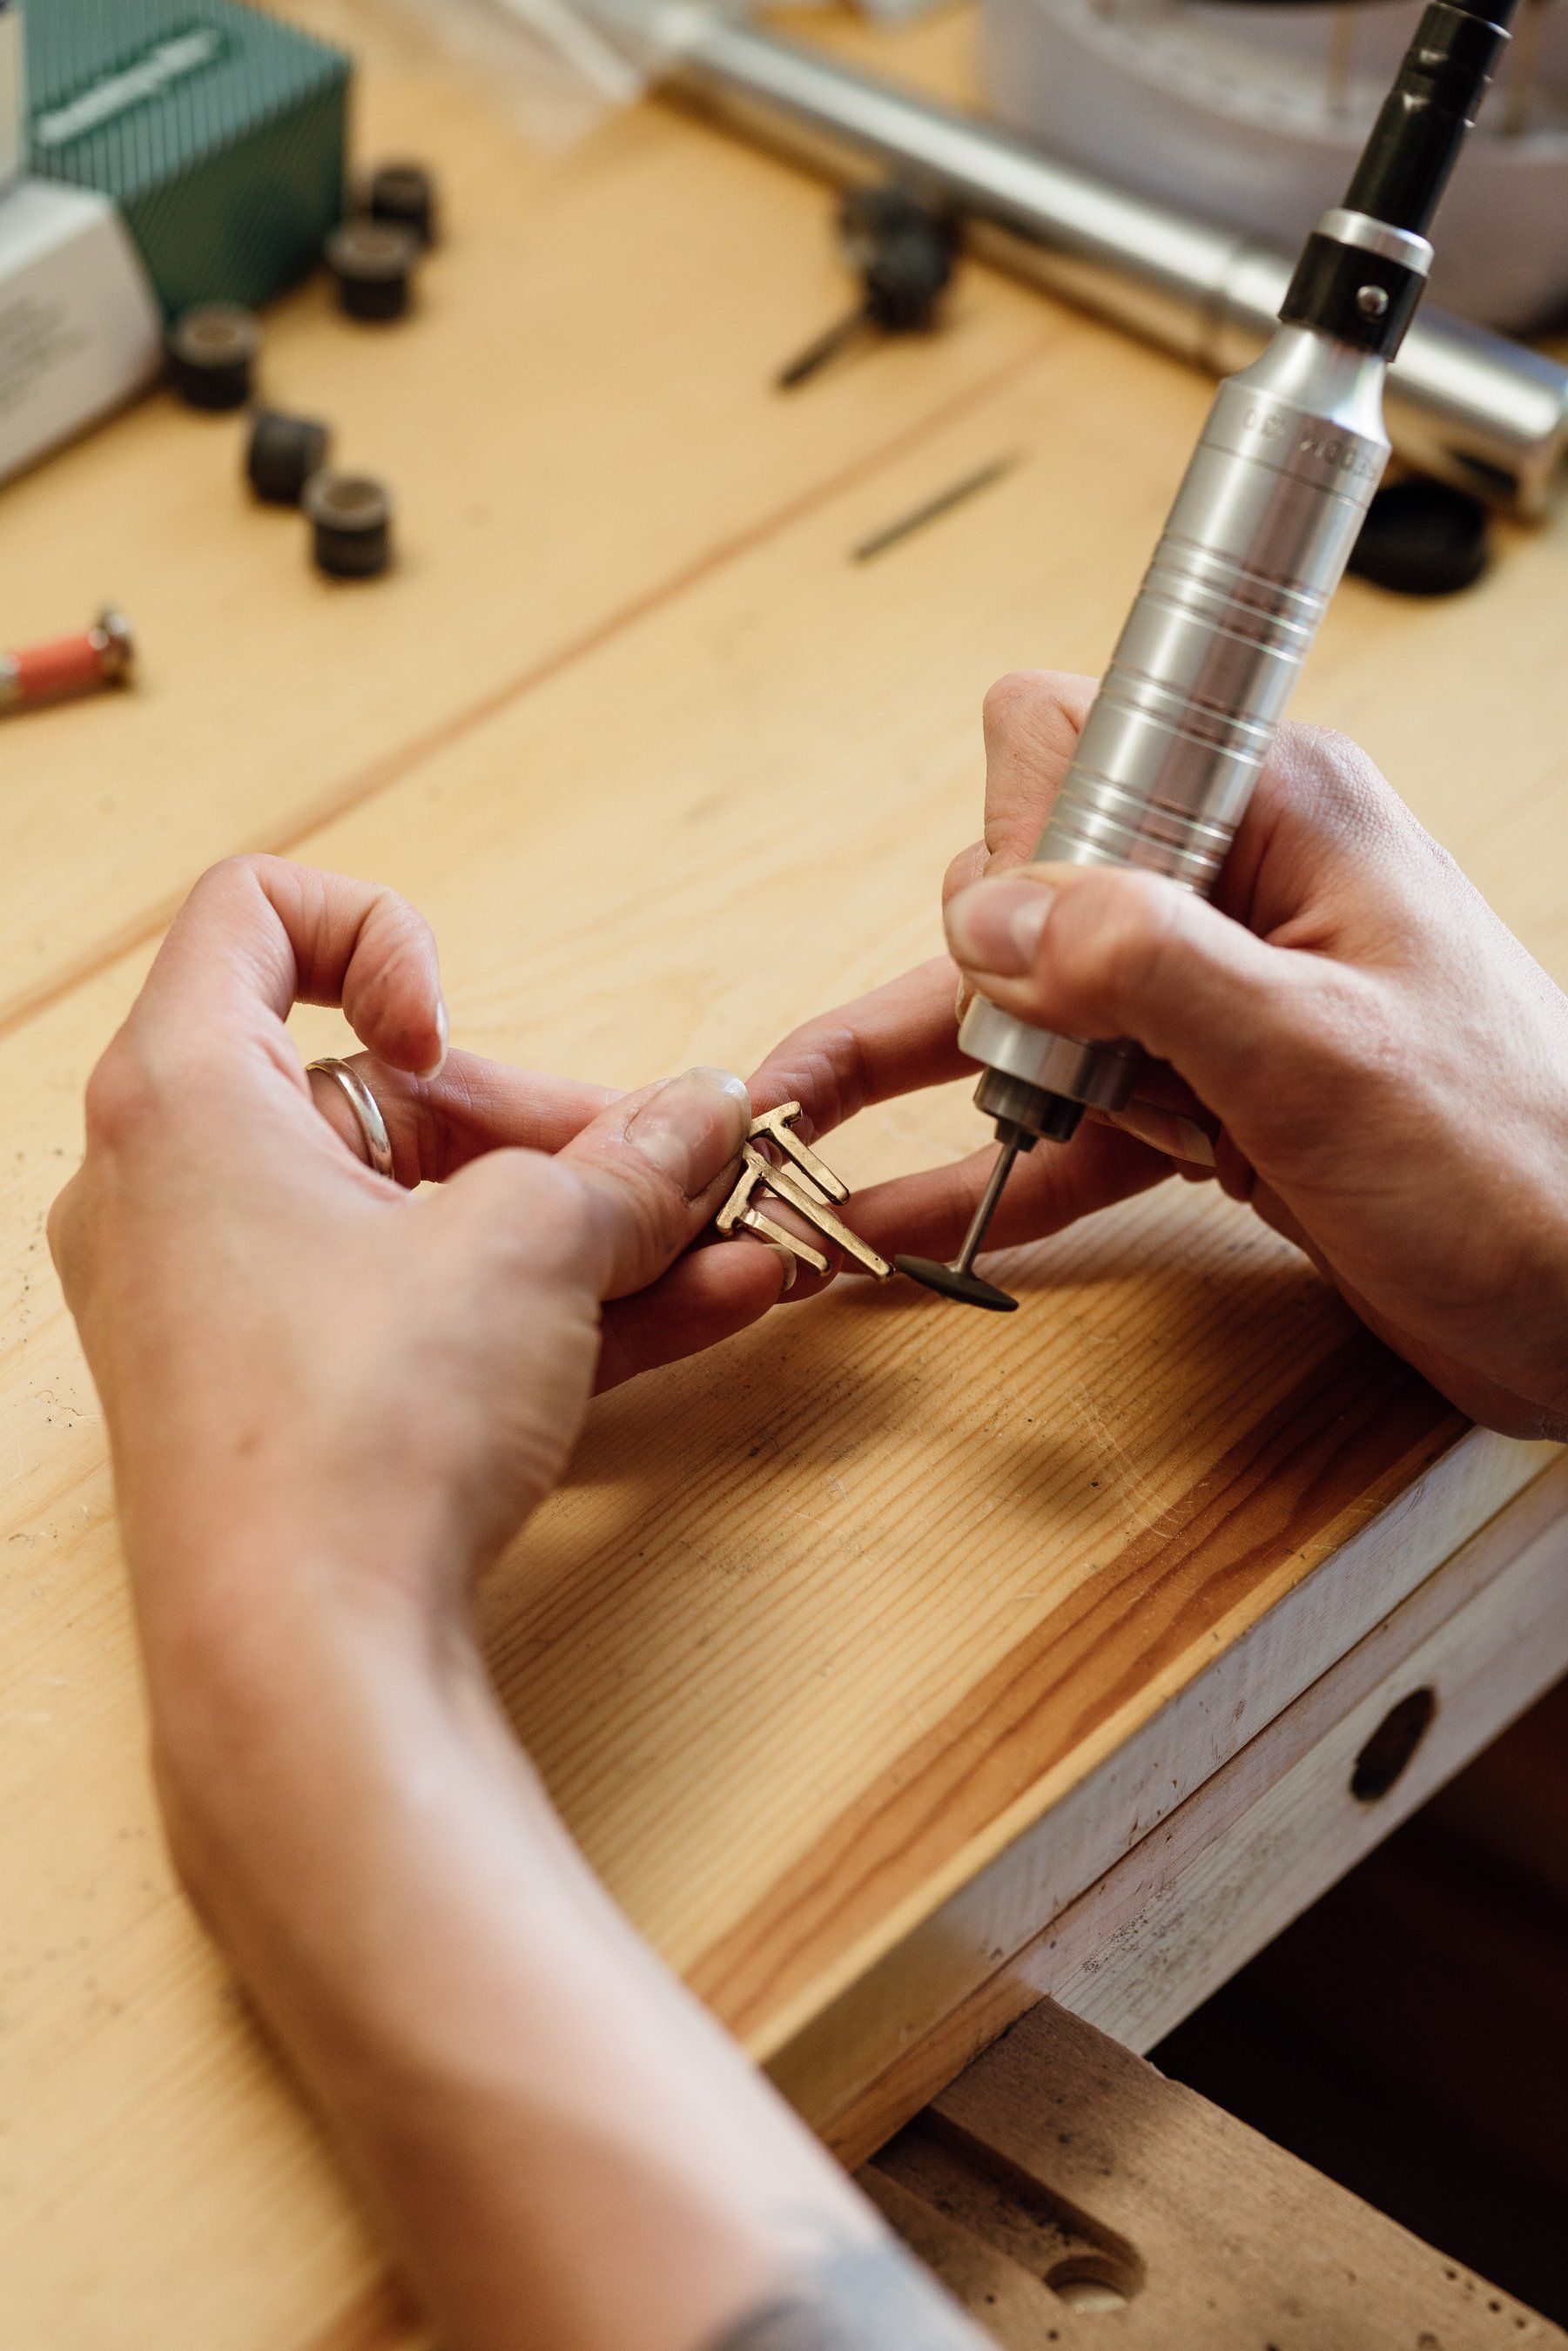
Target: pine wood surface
<point>669,773</point>
<point>1178,1891</point>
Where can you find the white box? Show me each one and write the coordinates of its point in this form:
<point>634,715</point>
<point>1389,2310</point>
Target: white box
<point>1234,113</point>
<point>12,90</point>
<point>79,328</point>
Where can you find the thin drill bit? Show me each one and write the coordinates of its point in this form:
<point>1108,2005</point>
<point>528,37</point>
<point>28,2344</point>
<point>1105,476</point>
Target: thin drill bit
<point>959,1280</point>
<point>933,509</point>
<point>838,338</point>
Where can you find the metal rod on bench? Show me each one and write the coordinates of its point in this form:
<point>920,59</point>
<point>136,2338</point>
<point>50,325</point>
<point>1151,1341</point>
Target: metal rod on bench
<point>1462,402</point>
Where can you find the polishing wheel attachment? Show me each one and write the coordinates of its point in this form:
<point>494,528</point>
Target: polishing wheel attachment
<point>949,1281</point>
<point>959,1280</point>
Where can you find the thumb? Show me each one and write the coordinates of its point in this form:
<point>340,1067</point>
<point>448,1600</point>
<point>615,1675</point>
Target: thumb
<point>606,1215</point>
<point>652,1168</point>
<point>1106,952</point>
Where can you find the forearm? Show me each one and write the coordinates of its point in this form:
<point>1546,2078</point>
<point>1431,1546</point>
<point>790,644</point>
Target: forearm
<point>558,2137</point>
<point>328,1399</point>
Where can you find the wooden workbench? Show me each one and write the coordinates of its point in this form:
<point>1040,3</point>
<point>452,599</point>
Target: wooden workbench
<point>895,1667</point>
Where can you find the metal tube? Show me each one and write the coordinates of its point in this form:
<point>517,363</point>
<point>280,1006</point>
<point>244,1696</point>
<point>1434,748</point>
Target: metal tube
<point>1265,516</point>
<point>1463,403</point>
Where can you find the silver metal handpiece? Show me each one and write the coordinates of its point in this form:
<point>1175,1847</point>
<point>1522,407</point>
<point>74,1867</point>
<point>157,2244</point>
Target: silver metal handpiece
<point>1264,523</point>
<point>1262,527</point>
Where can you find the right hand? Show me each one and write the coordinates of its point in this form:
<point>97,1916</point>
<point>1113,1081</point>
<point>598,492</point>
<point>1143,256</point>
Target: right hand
<point>1369,1056</point>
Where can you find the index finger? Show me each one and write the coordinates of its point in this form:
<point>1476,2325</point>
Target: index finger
<point>898,1038</point>
<point>437,1125</point>
<point>260,934</point>
<point>1032,720</point>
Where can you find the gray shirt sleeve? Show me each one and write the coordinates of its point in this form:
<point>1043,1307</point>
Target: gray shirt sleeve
<point>857,2298</point>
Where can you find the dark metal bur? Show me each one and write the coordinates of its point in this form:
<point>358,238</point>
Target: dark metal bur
<point>959,1279</point>
<point>1267,514</point>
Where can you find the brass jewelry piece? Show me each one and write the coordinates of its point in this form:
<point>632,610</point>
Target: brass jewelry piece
<point>804,1183</point>
<point>367,1112</point>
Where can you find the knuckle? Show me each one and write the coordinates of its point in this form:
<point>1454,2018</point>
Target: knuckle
<point>390,977</point>
<point>1011,702</point>
<point>1349,797</point>
<point>833,1078</point>
<point>122,1097</point>
<point>143,1086</point>
<point>63,1230</point>
<point>1031,706</point>
<point>1337,751</point>
<point>392,929</point>
<point>243,870</point>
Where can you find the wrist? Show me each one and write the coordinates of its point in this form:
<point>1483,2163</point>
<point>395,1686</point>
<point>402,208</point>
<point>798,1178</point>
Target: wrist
<point>377,1857</point>
<point>289,1676</point>
<point>238,1549</point>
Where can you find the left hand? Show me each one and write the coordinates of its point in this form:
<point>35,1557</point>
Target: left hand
<point>329,1403</point>
<point>274,1331</point>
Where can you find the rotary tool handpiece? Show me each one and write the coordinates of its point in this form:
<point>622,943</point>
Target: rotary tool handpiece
<point>1261,531</point>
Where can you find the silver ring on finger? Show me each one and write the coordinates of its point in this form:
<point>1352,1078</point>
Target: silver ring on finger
<point>367,1112</point>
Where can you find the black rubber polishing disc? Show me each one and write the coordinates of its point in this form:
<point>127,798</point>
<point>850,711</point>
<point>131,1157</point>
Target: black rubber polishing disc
<point>1422,538</point>
<point>967,1288</point>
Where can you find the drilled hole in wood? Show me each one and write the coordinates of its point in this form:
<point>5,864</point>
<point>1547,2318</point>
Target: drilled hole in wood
<point>1092,2282</point>
<point>959,2202</point>
<point>1382,1758</point>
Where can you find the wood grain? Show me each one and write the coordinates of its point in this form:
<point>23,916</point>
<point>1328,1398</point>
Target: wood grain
<point>1121,1889</point>
<point>670,772</point>
<point>1061,2164</point>
<point>1090,1661</point>
<point>578,422</point>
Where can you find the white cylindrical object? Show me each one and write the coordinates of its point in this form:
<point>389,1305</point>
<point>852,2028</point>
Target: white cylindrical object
<point>1243,113</point>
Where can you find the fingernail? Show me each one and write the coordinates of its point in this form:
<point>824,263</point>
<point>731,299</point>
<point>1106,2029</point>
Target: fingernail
<point>790,1263</point>
<point>1194,1143</point>
<point>1167,1131</point>
<point>444,1033</point>
<point>693,1127</point>
<point>996,925</point>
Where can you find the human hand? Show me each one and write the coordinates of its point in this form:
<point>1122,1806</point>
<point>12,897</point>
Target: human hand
<point>280,1336</point>
<point>329,1402</point>
<point>1348,1038</point>
<point>278,1333</point>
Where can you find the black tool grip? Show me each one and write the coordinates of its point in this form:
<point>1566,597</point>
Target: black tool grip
<point>1360,298</point>
<point>1422,121</point>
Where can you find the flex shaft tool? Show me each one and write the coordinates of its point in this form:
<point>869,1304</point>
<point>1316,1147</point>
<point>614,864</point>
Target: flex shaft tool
<point>1253,549</point>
